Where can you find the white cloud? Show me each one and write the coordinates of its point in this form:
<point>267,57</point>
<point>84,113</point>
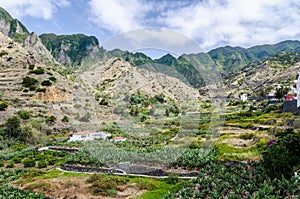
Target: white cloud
<point>35,8</point>
<point>236,22</point>
<point>119,15</point>
<point>211,22</point>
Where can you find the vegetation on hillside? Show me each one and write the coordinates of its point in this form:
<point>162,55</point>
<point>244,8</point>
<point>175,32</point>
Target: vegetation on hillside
<point>76,47</point>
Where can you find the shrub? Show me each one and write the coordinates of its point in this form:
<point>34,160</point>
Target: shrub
<point>17,160</point>
<point>31,66</point>
<point>53,79</point>
<point>41,90</point>
<point>103,102</point>
<point>105,185</point>
<point>51,118</point>
<point>32,88</point>
<point>46,83</point>
<point>38,71</point>
<point>3,106</point>
<point>2,53</point>
<point>11,164</point>
<point>29,163</point>
<point>28,81</point>
<point>52,161</point>
<point>172,179</point>
<point>65,119</point>
<point>282,157</point>
<point>25,115</point>
<point>42,164</point>
<point>1,164</point>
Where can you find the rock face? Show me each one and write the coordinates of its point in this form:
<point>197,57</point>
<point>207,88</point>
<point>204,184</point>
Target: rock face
<point>75,50</point>
<point>34,45</point>
<point>53,94</point>
<point>9,26</point>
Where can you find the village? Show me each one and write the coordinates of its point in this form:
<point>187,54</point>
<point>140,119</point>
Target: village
<point>279,93</point>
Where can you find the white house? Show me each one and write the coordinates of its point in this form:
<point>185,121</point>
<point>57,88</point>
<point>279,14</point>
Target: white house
<point>272,93</point>
<point>244,97</point>
<point>87,135</point>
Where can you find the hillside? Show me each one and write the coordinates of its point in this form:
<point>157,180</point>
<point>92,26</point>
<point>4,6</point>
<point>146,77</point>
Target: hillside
<point>25,79</point>
<point>261,79</point>
<point>231,59</point>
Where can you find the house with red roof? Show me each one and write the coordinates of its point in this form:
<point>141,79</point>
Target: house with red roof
<point>289,97</point>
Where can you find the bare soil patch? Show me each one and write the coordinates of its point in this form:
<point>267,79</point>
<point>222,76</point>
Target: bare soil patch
<point>77,188</point>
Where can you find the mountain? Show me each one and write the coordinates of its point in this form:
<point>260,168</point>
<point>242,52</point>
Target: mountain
<point>231,59</point>
<point>190,68</point>
<point>12,27</point>
<point>74,50</point>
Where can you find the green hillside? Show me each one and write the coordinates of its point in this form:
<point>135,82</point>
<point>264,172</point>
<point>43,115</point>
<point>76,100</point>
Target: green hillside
<point>231,59</point>
<point>72,49</point>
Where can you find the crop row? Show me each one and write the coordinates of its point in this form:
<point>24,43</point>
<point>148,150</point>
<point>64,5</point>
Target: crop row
<point>9,192</point>
<point>216,180</point>
<point>36,158</point>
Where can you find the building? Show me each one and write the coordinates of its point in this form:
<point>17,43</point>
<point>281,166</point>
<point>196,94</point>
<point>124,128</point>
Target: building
<point>87,135</point>
<point>119,139</point>
<point>290,104</point>
<point>289,97</point>
<point>244,97</point>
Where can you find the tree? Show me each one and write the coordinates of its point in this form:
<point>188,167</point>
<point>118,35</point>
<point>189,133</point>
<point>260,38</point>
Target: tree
<point>281,92</point>
<point>13,126</point>
<point>282,157</point>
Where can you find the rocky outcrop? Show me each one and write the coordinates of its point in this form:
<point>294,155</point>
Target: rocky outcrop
<point>9,26</point>
<point>74,50</point>
<point>34,45</point>
<point>62,55</point>
<point>53,94</point>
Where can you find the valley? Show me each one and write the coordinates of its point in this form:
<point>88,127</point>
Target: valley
<point>165,129</point>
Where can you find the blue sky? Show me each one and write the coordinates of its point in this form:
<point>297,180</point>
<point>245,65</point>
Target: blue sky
<point>211,23</point>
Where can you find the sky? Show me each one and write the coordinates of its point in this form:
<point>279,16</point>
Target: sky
<point>209,23</point>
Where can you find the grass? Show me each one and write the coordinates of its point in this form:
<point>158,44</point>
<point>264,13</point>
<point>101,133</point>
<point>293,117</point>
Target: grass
<point>161,189</point>
<point>155,188</point>
<point>228,152</point>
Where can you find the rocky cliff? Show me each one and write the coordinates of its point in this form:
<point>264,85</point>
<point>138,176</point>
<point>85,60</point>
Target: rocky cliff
<point>10,26</point>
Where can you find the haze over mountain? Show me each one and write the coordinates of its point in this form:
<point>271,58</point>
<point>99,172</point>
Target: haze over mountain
<point>210,23</point>
<point>224,59</point>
